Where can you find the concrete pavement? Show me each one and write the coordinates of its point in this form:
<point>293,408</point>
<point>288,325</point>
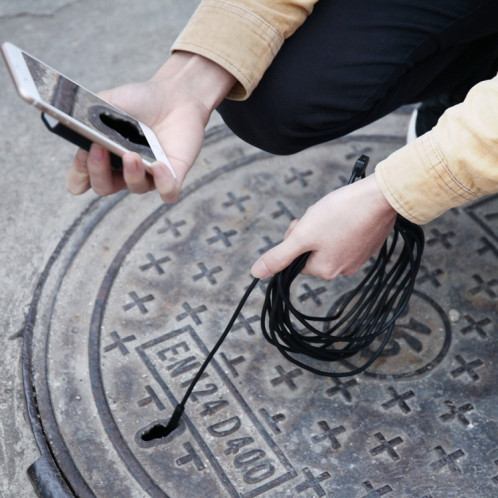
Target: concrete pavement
<point>100,45</point>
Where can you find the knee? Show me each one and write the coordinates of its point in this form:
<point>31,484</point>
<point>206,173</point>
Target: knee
<point>273,128</point>
<point>287,126</point>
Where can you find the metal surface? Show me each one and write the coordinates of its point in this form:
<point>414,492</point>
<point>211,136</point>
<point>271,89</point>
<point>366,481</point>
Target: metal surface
<point>138,292</point>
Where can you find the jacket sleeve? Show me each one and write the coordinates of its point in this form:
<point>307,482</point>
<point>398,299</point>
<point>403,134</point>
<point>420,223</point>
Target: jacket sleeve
<point>242,36</point>
<point>454,163</point>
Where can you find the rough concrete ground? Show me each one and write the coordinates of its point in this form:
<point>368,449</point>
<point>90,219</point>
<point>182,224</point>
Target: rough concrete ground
<point>100,45</point>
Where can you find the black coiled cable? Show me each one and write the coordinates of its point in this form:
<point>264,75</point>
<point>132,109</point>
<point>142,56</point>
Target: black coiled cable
<point>365,314</point>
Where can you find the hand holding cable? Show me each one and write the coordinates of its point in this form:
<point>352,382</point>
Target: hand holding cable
<point>342,230</point>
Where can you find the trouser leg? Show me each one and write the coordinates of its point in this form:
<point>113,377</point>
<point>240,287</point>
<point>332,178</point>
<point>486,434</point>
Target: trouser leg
<point>354,61</point>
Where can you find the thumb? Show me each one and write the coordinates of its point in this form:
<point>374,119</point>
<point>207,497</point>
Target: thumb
<point>291,228</point>
<point>133,98</point>
<point>276,259</point>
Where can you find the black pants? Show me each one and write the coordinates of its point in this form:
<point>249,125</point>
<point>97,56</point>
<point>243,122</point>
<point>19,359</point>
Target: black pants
<point>354,61</point>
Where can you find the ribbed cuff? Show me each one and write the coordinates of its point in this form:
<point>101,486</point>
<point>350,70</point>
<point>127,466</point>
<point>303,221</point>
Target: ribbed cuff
<point>235,38</point>
<point>417,182</point>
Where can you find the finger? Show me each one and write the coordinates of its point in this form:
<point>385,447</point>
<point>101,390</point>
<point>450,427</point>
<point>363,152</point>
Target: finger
<point>135,175</point>
<point>167,186</point>
<point>276,259</point>
<point>325,269</point>
<point>78,180</point>
<point>332,264</point>
<point>291,228</point>
<point>102,179</point>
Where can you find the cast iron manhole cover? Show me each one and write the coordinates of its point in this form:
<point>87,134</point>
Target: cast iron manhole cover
<point>137,293</point>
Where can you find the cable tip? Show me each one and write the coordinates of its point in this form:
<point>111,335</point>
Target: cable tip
<point>359,168</point>
<point>174,420</point>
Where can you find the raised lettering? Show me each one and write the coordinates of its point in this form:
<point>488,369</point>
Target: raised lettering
<point>234,445</point>
<point>213,406</point>
<point>225,428</point>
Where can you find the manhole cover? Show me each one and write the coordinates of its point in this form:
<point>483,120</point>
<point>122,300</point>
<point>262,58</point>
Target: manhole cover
<point>137,293</point>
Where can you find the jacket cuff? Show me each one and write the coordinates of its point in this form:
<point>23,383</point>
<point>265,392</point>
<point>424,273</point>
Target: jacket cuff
<point>417,182</point>
<point>221,32</point>
<point>449,166</point>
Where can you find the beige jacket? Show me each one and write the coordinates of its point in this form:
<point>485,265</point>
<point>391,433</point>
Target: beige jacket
<point>453,164</point>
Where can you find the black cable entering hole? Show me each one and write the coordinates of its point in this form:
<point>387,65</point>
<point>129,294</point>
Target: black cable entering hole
<point>125,128</point>
<point>157,431</point>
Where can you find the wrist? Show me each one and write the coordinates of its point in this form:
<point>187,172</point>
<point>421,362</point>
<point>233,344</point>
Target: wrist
<point>205,80</point>
<point>364,197</point>
<point>382,205</point>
